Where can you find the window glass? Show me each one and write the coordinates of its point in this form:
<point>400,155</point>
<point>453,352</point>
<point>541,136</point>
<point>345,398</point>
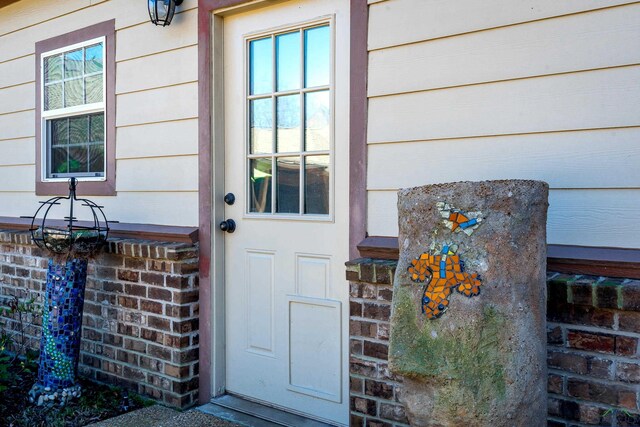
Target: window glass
<point>77,145</point>
<point>288,61</point>
<point>292,166</point>
<point>317,121</point>
<point>317,50</point>
<point>75,140</point>
<point>316,188</point>
<point>261,124</point>
<point>288,118</point>
<point>288,185</point>
<point>260,66</point>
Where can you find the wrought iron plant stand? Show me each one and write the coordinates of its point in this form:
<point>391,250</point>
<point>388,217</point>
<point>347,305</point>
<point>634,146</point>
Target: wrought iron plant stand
<point>70,242</point>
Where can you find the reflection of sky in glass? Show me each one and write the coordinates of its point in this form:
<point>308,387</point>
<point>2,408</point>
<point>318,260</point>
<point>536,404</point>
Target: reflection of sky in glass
<point>93,59</point>
<point>73,63</point>
<point>288,61</point>
<point>260,68</point>
<point>316,57</point>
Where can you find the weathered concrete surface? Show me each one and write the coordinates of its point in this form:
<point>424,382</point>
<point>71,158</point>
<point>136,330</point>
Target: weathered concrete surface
<point>483,363</point>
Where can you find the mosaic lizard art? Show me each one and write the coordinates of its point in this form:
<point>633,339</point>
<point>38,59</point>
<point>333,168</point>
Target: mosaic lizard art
<point>457,220</point>
<point>444,272</point>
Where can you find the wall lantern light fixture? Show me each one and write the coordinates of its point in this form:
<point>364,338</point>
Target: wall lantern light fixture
<point>161,11</point>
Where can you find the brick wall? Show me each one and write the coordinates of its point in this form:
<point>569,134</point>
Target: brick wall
<point>593,331</point>
<point>140,325</point>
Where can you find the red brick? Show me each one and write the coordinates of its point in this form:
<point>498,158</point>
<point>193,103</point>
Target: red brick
<point>355,308</point>
<point>185,297</point>
<point>356,385</point>
<point>377,311</point>
<point>363,405</point>
<point>126,357</point>
<point>159,323</point>
<point>626,346</point>
<point>162,266</point>
<point>159,352</point>
<point>602,343</point>
<point>554,384</point>
<point>177,282</point>
<point>151,335</point>
<point>128,302</point>
<point>151,364</point>
<point>152,278</point>
<point>178,311</point>
<point>363,328</point>
<point>628,372</point>
<point>135,290</point>
<point>176,371</point>
<point>151,306</point>
<point>128,275</point>
<point>135,263</point>
<point>631,295</point>
<point>378,389</point>
<point>107,273</point>
<point>554,335</point>
<point>376,350</point>
<point>607,294</point>
<point>629,321</point>
<point>159,294</point>
<point>569,362</point>
<point>176,341</point>
<point>185,326</point>
<point>355,347</point>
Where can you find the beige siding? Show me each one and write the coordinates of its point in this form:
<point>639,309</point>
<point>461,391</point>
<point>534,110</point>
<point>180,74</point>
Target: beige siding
<point>501,89</point>
<point>156,104</point>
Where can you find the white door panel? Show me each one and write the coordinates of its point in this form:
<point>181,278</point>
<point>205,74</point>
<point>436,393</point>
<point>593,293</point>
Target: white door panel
<point>286,104</point>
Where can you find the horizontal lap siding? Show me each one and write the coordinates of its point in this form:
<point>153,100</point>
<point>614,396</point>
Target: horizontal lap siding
<point>156,105</point>
<point>530,90</point>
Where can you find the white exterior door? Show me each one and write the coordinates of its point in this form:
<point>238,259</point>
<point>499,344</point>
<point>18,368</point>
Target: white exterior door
<point>286,103</point>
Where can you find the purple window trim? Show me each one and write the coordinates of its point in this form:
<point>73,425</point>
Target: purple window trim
<point>107,187</point>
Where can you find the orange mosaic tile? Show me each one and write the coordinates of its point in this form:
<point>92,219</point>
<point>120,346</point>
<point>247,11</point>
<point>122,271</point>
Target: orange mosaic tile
<point>443,272</point>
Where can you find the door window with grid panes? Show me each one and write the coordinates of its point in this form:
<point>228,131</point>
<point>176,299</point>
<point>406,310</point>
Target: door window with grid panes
<point>73,111</point>
<point>289,115</point>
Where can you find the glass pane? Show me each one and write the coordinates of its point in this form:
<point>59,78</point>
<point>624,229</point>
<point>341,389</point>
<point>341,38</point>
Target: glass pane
<point>59,160</point>
<point>316,185</point>
<point>288,185</point>
<point>260,175</point>
<point>73,64</point>
<point>96,158</point>
<point>73,93</point>
<point>58,129</point>
<point>317,121</point>
<point>78,159</point>
<point>93,89</point>
<point>53,96</point>
<point>78,129</point>
<point>288,119</point>
<point>96,131</point>
<point>317,50</point>
<point>261,66</point>
<point>53,68</point>
<point>93,59</point>
<point>288,61</point>
<point>261,133</point>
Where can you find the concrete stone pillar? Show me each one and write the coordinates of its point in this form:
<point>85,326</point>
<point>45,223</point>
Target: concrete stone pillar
<point>468,326</point>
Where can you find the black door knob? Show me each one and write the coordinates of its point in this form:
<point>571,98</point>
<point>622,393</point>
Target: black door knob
<point>229,226</point>
<point>230,198</point>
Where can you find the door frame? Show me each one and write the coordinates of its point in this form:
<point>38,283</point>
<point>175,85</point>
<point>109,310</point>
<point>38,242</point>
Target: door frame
<point>211,171</point>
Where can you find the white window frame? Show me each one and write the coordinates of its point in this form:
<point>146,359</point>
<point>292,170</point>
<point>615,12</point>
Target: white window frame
<point>77,110</point>
<point>272,33</point>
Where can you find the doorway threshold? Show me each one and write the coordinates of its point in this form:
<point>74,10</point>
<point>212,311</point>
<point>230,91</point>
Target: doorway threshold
<point>252,414</point>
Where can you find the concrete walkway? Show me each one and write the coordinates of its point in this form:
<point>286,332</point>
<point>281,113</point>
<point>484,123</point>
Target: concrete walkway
<point>160,416</point>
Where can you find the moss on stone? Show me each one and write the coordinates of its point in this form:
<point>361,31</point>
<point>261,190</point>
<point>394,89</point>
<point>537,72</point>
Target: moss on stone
<point>466,361</point>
